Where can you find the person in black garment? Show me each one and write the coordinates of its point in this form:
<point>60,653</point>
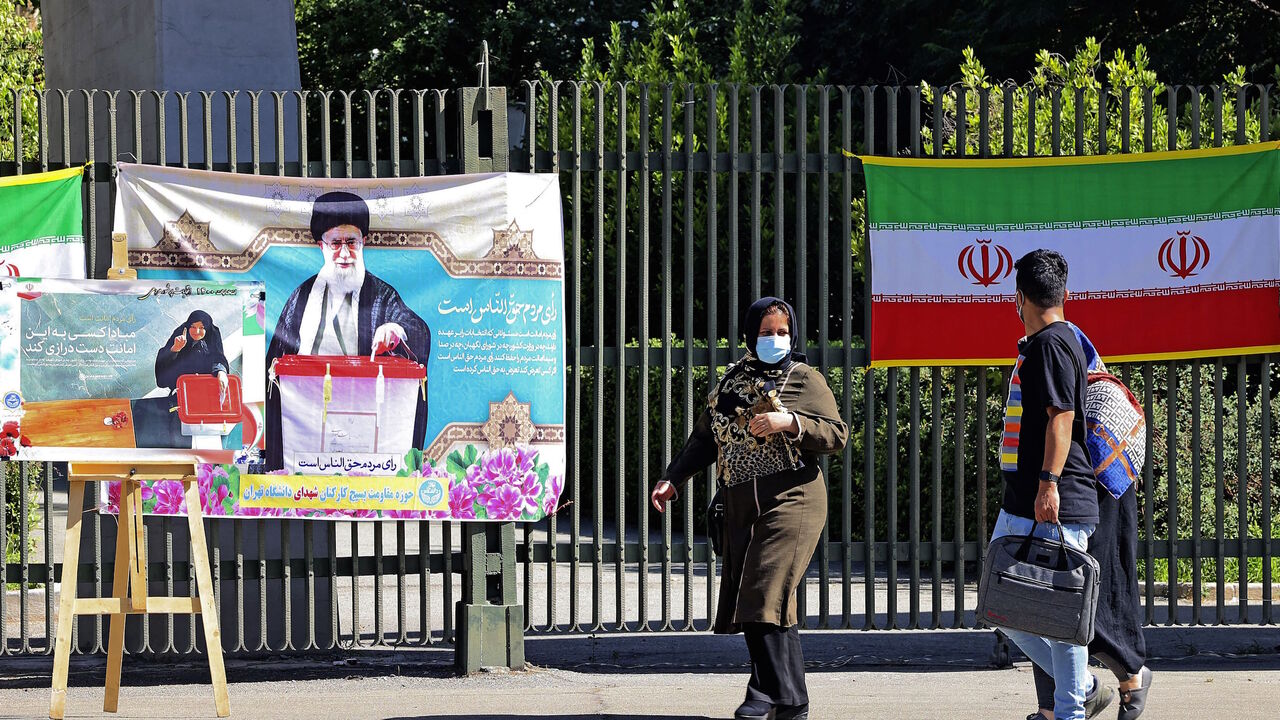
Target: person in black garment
<point>193,348</point>
<point>765,423</point>
<point>344,310</point>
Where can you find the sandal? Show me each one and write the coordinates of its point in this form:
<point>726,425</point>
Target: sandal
<point>1133,702</point>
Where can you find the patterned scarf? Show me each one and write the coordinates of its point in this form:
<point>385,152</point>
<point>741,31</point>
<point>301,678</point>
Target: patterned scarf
<point>748,388</point>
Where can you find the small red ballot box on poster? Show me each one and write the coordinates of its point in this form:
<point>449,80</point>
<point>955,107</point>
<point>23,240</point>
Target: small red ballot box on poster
<point>207,415</point>
<point>335,404</point>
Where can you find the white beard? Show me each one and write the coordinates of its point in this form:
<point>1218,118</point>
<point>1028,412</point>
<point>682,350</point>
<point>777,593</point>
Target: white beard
<point>337,283</point>
<point>342,281</point>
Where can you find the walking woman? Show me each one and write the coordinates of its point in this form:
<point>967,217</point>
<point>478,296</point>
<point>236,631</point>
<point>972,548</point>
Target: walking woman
<point>768,419</point>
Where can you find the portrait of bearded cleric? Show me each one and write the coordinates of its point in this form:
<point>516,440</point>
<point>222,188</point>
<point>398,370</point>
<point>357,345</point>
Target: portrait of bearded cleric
<point>344,309</point>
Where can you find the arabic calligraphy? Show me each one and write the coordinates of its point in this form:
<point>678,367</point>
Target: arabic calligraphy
<point>347,463</point>
<point>105,340</point>
<point>506,308</point>
<point>498,352</point>
<point>331,495</point>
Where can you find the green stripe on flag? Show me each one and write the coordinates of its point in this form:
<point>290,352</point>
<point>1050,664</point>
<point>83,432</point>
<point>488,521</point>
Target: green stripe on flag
<point>1073,190</point>
<point>41,208</point>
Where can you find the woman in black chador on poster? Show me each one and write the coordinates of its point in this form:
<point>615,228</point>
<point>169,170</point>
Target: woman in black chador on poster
<point>194,348</point>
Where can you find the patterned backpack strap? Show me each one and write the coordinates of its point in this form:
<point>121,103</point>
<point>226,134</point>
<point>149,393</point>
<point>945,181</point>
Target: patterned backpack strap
<point>1116,433</point>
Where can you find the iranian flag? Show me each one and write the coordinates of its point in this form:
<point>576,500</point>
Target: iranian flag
<point>1172,255</point>
<point>41,229</point>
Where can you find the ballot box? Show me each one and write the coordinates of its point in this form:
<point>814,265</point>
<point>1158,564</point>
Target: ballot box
<point>336,405</point>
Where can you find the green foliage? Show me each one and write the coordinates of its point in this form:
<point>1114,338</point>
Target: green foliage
<point>459,462</point>
<point>15,489</point>
<point>895,42</point>
<point>1125,89</point>
<point>674,45</point>
<point>346,44</point>
<point>21,69</point>
<point>1196,466</point>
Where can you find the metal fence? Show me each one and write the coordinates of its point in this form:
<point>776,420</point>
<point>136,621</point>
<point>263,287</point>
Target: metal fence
<point>682,204</point>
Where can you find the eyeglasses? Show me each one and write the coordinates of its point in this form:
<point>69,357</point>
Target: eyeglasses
<point>351,244</point>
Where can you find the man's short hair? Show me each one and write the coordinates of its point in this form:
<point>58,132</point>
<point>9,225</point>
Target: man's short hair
<point>1042,277</point>
<point>338,208</point>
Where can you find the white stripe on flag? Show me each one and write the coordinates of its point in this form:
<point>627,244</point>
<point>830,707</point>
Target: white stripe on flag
<point>952,262</point>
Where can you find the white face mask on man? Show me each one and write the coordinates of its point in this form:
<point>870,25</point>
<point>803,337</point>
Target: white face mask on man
<point>771,349</point>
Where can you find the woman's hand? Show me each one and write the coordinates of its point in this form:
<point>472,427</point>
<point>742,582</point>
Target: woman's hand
<point>222,389</point>
<point>179,342</point>
<point>662,493</point>
<point>769,423</point>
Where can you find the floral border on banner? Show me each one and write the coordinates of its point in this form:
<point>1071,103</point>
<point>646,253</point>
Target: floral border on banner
<point>503,484</point>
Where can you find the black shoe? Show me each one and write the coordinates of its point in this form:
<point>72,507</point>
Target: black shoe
<point>753,710</point>
<point>1133,702</point>
<point>1098,699</point>
<point>791,712</point>
<point>1037,715</point>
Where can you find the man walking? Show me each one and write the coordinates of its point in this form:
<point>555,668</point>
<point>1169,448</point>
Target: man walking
<point>1049,484</point>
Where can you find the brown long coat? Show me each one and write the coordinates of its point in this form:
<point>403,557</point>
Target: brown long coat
<point>772,523</point>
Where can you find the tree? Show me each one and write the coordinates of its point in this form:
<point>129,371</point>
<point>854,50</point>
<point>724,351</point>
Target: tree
<point>1075,82</point>
<point>21,70</point>
<point>350,44</point>
<point>863,41</point>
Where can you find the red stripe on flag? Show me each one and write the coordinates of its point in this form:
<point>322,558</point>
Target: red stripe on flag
<point>1151,325</point>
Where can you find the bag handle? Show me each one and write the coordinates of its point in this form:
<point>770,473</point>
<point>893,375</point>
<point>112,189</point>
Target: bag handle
<point>1024,550</point>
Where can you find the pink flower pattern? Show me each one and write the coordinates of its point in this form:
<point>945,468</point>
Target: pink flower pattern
<point>504,484</point>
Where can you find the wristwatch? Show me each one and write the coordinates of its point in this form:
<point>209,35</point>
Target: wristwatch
<point>1046,476</point>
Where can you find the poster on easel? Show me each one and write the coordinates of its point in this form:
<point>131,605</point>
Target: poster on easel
<point>415,334</point>
<point>109,370</point>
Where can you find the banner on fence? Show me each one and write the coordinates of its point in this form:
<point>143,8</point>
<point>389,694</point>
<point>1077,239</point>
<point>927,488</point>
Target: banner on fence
<point>415,353</point>
<point>113,370</point>
<point>41,225</point>
<point>1172,255</point>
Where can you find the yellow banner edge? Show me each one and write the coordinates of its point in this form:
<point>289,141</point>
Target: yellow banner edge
<point>44,177</point>
<point>1061,160</point>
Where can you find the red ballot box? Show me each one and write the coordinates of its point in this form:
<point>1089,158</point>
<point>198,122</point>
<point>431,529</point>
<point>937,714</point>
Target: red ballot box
<point>199,401</point>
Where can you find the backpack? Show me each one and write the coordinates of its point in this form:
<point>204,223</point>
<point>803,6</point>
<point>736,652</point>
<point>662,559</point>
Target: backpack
<point>1115,425</point>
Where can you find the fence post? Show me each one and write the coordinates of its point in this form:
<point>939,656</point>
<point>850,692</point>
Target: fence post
<point>490,624</point>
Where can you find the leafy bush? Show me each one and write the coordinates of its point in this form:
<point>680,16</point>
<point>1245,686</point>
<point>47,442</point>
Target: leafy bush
<point>21,67</point>
<point>14,491</point>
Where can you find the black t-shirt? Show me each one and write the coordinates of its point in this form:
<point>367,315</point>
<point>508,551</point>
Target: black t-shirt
<point>1050,372</point>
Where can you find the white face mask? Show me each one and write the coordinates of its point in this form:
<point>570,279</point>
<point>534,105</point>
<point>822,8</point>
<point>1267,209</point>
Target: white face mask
<point>771,349</point>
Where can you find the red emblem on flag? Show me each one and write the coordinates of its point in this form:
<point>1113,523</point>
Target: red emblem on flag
<point>9,269</point>
<point>1181,256</point>
<point>984,253</point>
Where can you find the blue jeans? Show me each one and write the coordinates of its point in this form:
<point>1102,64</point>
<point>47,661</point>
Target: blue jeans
<point>1067,663</point>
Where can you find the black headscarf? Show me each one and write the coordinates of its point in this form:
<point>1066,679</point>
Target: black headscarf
<point>197,357</point>
<point>751,328</point>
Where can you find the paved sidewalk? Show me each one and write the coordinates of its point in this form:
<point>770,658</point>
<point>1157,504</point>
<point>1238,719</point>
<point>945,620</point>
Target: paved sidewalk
<point>1201,674</point>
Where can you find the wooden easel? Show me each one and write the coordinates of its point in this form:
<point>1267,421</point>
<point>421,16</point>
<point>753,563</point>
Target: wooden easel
<point>130,583</point>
